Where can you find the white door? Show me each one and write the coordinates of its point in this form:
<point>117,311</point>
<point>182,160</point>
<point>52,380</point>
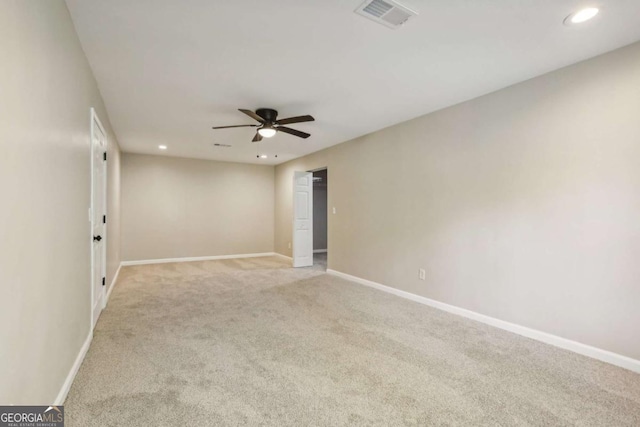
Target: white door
<point>98,216</point>
<point>302,219</point>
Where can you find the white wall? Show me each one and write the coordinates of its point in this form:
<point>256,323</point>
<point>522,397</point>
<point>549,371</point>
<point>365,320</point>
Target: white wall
<point>47,90</point>
<point>523,204</point>
<point>174,208</point>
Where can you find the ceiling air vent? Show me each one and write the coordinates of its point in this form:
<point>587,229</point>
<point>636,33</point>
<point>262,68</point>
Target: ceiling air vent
<point>386,12</point>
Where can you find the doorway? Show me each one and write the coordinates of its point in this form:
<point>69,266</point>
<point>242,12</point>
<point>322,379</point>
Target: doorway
<point>98,216</point>
<point>320,218</point>
<point>310,219</point>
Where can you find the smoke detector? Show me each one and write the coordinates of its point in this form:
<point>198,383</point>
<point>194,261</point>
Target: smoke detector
<point>389,13</point>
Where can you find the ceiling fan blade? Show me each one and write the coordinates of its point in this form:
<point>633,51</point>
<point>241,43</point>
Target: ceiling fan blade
<point>298,119</point>
<point>253,115</point>
<point>293,132</point>
<point>236,126</point>
<point>257,138</point>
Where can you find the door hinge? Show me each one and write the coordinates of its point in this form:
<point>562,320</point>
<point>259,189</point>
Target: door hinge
<point>104,156</point>
<point>104,219</point>
<point>103,281</point>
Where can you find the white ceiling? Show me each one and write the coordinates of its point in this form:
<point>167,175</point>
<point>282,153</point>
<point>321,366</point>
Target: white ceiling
<point>168,70</point>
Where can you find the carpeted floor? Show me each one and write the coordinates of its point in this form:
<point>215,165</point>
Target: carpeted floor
<point>254,342</point>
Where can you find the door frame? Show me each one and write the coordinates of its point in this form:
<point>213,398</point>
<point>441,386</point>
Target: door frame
<point>95,120</point>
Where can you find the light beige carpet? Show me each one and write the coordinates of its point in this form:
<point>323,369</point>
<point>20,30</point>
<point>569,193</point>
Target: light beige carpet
<point>254,342</point>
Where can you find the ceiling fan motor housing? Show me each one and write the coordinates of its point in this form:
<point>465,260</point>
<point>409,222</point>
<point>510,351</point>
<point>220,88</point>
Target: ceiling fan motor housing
<point>267,114</point>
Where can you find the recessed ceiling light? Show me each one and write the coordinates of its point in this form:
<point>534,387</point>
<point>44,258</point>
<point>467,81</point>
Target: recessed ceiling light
<point>581,16</point>
<point>162,147</point>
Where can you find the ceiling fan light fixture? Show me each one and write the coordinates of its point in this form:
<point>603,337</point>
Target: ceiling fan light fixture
<point>266,131</point>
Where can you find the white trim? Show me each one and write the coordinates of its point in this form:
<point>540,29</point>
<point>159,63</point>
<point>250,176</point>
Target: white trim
<point>198,258</point>
<point>576,347</point>
<point>113,284</point>
<point>66,386</point>
<point>284,256</point>
<point>319,251</point>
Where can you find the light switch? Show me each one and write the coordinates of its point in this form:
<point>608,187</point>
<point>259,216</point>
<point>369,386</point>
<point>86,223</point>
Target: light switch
<point>334,210</point>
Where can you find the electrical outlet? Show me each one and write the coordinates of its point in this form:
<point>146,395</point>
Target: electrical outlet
<point>422,274</point>
<point>334,210</point>
<point>289,245</point>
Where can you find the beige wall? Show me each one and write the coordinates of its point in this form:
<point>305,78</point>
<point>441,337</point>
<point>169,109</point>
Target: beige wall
<point>523,204</point>
<point>47,91</point>
<point>175,207</point>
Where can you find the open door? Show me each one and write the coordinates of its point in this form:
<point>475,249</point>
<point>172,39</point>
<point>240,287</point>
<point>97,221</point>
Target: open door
<point>302,219</point>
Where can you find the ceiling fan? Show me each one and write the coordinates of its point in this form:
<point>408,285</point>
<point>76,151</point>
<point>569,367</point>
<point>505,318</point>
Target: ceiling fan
<point>269,124</point>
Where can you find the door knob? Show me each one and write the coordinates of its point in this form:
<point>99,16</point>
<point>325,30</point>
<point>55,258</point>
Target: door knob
<point>97,238</point>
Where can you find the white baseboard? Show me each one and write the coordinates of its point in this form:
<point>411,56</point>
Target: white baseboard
<point>66,386</point>
<point>319,251</point>
<point>284,256</point>
<point>113,283</point>
<point>576,347</point>
<point>198,258</point>
<point>62,395</point>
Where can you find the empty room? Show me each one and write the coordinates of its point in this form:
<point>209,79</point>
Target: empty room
<point>321,213</point>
